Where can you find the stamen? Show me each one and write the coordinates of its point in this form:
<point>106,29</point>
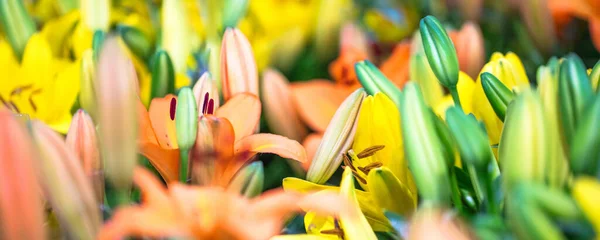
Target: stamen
<point>19,90</point>
<point>348,162</point>
<point>14,107</point>
<point>204,105</point>
<point>335,231</point>
<point>373,165</point>
<point>4,102</point>
<point>173,108</point>
<point>211,107</point>
<point>370,151</point>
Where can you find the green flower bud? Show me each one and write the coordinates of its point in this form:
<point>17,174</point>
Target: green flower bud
<point>595,76</point>
<point>445,137</point>
<point>422,73</point>
<point>574,93</point>
<point>497,94</point>
<point>440,51</point>
<point>249,180</point>
<point>136,41</point>
<point>471,139</point>
<point>373,81</point>
<point>422,147</point>
<point>233,11</point>
<point>585,150</point>
<point>186,118</point>
<point>163,75</point>
<point>17,25</point>
<point>532,209</point>
<point>186,124</point>
<point>523,145</point>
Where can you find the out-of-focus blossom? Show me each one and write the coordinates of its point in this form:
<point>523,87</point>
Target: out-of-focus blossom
<point>42,86</point>
<point>64,182</point>
<point>431,223</point>
<point>563,11</point>
<point>280,111</point>
<point>116,96</point>
<point>206,94</point>
<point>586,191</point>
<point>470,49</point>
<point>21,211</point>
<point>212,212</point>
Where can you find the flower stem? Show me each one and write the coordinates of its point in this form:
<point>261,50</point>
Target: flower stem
<point>183,166</point>
<point>454,93</point>
<point>455,191</point>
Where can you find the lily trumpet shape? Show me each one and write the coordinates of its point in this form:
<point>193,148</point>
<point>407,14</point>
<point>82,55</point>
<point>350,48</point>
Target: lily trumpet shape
<point>212,212</point>
<point>228,134</point>
<point>378,142</point>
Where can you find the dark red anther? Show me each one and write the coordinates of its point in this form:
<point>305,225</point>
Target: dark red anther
<point>173,108</point>
<point>211,107</point>
<point>204,105</point>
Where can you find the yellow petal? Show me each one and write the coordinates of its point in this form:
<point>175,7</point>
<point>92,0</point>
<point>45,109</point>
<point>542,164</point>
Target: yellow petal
<point>353,221</point>
<point>390,193</point>
<point>37,64</point>
<point>373,214</point>
<point>586,192</point>
<point>315,223</point>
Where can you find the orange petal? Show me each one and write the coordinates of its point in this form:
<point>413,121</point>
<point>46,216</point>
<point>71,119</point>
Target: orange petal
<point>243,111</point>
<point>280,111</point>
<point>595,32</point>
<point>311,144</point>
<point>238,67</point>
<point>317,101</point>
<point>470,49</point>
<point>396,66</point>
<point>162,118</point>
<point>213,151</point>
<point>271,143</point>
<point>354,48</point>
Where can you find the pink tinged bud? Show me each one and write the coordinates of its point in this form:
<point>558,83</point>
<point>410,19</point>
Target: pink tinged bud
<point>64,183</point>
<point>21,212</point>
<point>238,67</point>
<point>470,49</point>
<point>81,139</point>
<point>206,94</point>
<point>280,111</point>
<point>537,18</point>
<point>116,92</point>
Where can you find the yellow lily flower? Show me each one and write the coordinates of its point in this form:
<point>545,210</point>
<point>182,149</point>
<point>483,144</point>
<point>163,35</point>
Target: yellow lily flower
<point>352,224</point>
<point>378,142</point>
<point>465,87</point>
<point>42,86</point>
<point>508,69</point>
<point>586,192</point>
<point>369,208</point>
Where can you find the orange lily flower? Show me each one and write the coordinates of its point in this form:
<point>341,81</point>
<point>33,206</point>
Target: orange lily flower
<point>470,49</point>
<point>229,132</point>
<point>562,12</point>
<point>212,212</point>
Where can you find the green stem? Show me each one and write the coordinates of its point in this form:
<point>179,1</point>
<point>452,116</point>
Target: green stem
<point>183,166</point>
<point>490,193</point>
<point>455,191</point>
<point>116,197</point>
<point>454,93</point>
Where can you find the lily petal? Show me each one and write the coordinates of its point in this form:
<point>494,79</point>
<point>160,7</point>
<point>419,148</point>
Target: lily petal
<point>238,68</point>
<point>162,118</point>
<point>243,111</point>
<point>396,66</point>
<point>271,143</point>
<point>317,101</point>
<point>280,111</point>
<point>353,221</point>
